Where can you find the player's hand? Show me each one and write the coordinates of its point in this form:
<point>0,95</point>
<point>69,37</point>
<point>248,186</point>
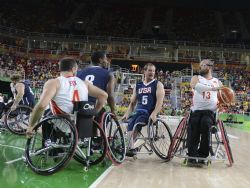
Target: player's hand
<point>125,116</point>
<point>114,115</point>
<point>113,112</point>
<point>217,88</point>
<point>29,132</point>
<point>153,117</point>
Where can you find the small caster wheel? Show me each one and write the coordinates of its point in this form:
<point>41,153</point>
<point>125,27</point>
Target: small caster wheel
<point>135,157</point>
<point>208,163</point>
<point>184,162</point>
<point>86,169</point>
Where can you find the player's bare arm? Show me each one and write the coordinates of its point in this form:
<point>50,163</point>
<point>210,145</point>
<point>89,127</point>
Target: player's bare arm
<point>49,91</point>
<point>110,91</point>
<point>160,93</point>
<point>97,93</point>
<point>20,92</point>
<point>194,81</point>
<point>199,87</point>
<point>131,106</point>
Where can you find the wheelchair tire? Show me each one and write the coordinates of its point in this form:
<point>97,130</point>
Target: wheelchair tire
<point>115,138</point>
<point>177,138</point>
<point>153,134</point>
<point>226,143</point>
<point>95,157</point>
<point>52,145</point>
<point>17,121</point>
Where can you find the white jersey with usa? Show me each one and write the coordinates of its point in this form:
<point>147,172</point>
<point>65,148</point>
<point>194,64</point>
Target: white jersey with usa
<point>71,89</point>
<point>206,100</point>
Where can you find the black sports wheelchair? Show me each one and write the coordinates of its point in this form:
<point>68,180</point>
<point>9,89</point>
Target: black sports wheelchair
<point>219,147</point>
<point>114,135</point>
<point>58,138</point>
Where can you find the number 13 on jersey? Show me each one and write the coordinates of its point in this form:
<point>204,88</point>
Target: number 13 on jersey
<point>206,94</point>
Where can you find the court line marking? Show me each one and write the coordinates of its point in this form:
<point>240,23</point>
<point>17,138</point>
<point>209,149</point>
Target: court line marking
<point>100,178</point>
<point>15,160</point>
<point>12,147</point>
<point>230,136</point>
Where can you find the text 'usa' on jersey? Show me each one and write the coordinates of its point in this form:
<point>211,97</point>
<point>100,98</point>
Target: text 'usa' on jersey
<point>146,95</point>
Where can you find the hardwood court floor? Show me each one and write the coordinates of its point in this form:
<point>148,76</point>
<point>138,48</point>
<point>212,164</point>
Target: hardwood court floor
<point>150,171</point>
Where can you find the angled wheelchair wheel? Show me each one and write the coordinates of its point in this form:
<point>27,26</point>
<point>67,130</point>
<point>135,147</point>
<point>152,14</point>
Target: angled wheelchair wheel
<point>52,145</point>
<point>160,137</point>
<point>115,137</point>
<point>177,138</point>
<point>91,151</point>
<point>226,143</point>
<point>17,121</point>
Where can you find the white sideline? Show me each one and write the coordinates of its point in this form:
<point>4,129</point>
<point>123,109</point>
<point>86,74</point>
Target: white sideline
<point>104,174</point>
<point>232,136</point>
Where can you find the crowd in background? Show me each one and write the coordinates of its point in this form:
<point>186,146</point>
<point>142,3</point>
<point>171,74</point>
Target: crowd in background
<point>37,71</point>
<point>113,20</point>
<point>123,20</point>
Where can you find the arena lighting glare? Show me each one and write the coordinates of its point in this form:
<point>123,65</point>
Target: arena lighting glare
<point>157,27</point>
<point>79,22</point>
<point>234,31</point>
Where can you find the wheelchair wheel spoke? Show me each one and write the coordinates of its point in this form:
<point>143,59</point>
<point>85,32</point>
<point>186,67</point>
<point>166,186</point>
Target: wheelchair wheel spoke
<point>50,148</point>
<point>115,138</point>
<point>162,138</point>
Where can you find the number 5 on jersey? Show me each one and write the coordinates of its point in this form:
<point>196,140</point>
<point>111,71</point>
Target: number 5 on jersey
<point>144,99</point>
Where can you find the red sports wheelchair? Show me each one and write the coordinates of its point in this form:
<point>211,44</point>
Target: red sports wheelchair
<point>219,147</point>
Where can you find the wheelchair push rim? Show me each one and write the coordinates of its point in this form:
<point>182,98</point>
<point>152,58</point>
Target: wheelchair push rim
<point>157,133</point>
<point>115,138</point>
<point>49,151</point>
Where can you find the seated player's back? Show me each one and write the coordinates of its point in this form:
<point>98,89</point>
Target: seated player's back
<point>28,97</point>
<point>97,75</point>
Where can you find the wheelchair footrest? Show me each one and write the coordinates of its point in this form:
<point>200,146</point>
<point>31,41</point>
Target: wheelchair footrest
<point>210,158</point>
